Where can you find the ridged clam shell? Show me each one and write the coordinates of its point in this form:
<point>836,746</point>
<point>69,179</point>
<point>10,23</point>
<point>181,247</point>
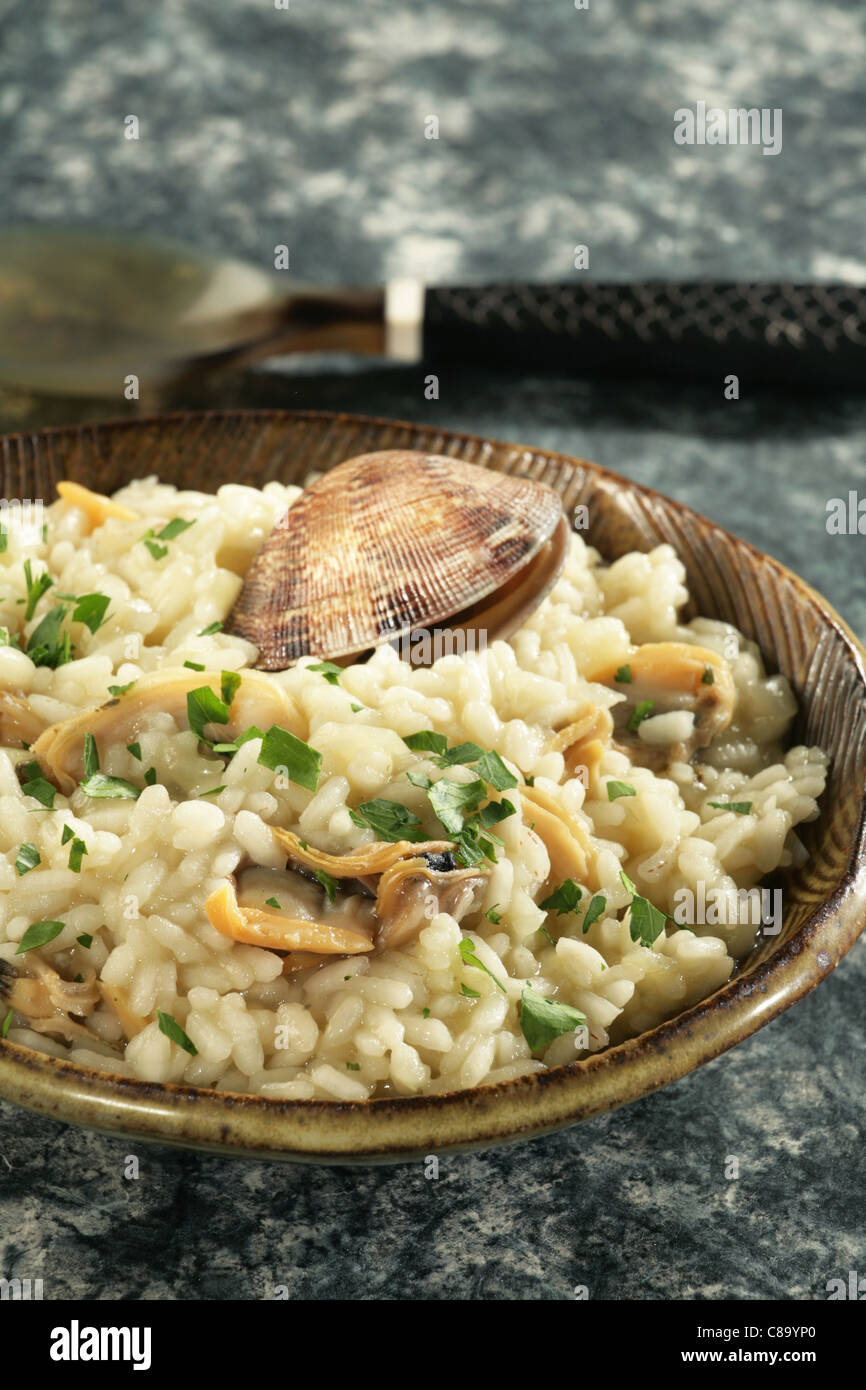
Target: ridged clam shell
<point>385,544</point>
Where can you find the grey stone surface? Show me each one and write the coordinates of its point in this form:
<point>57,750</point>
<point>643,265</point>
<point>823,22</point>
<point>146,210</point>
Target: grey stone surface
<point>261,126</point>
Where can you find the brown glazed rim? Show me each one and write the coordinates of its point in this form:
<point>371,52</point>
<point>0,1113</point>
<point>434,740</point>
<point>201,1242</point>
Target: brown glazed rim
<point>392,1130</point>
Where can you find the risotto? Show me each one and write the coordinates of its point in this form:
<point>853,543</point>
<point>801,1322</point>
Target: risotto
<point>381,879</point>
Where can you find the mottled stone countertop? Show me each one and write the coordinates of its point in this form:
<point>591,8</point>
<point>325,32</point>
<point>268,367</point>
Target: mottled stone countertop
<point>262,126</point>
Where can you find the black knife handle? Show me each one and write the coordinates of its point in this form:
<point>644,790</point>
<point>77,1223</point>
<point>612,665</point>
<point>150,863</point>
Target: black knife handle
<point>808,335</point>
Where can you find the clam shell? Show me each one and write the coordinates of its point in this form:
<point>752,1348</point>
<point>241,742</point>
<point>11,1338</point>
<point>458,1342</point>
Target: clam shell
<point>385,544</point>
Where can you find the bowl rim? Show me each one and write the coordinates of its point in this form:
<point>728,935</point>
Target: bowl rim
<point>407,1127</point>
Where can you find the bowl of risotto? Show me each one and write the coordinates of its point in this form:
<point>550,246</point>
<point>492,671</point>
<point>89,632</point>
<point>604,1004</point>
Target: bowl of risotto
<point>368,790</point>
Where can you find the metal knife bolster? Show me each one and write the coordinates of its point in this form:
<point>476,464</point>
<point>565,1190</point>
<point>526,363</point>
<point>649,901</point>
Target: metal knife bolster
<point>779,333</point>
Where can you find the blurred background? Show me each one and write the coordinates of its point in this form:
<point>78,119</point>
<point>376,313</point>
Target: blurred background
<point>304,126</point>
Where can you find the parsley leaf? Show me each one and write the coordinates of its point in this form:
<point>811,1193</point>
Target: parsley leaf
<point>35,784</point>
<point>563,899</point>
<point>90,609</point>
<point>451,799</point>
<point>623,675</point>
<point>205,707</point>
<point>77,850</point>
<point>389,820</point>
<point>6,1022</point>
<point>134,749</point>
<point>739,808</point>
<point>329,884</point>
<point>328,671</point>
<point>646,921</point>
<point>39,934</point>
<point>542,1020</point>
<point>426,741</point>
<point>641,711</point>
<point>468,957</point>
<point>493,770</point>
<point>493,916</point>
<point>91,756</point>
<point>211,629</point>
<point>27,858</point>
<point>85,940</point>
<point>35,589</point>
<point>597,908</point>
<point>708,678</point>
<point>101,787</point>
<point>303,764</point>
<point>117,690</point>
<point>229,683</point>
<point>172,1030</point>
<point>173,529</point>
<point>615,789</point>
<point>45,645</point>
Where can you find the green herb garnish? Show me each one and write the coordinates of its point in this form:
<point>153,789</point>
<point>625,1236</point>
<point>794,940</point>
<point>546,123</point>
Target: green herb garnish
<point>493,916</point>
<point>329,884</point>
<point>563,899</point>
<point>91,755</point>
<point>389,820</point>
<point>39,934</point>
<point>543,1020</point>
<point>195,665</point>
<point>468,957</point>
<point>426,741</point>
<point>229,683</point>
<point>90,609</point>
<point>134,749</point>
<point>623,675</point>
<point>85,940</point>
<point>616,789</point>
<point>35,784</point>
<point>303,764</point>
<point>6,1023</point>
<point>450,800</point>
<point>211,629</point>
<point>646,921</point>
<point>172,1030</point>
<point>739,808</point>
<point>117,690</point>
<point>68,834</point>
<point>35,588</point>
<point>27,858</point>
<point>272,902</point>
<point>597,908</point>
<point>641,711</point>
<point>103,788</point>
<point>708,678</point>
<point>77,850</point>
<point>328,671</point>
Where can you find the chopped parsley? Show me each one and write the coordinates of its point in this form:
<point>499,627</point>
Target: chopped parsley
<point>597,908</point>
<point>303,764</point>
<point>425,1013</point>
<point>353,1066</point>
<point>543,1020</point>
<point>468,957</point>
<point>39,934</point>
<point>77,850</point>
<point>623,675</point>
<point>211,791</point>
<point>85,940</point>
<point>469,993</point>
<point>211,629</point>
<point>194,665</point>
<point>328,671</point>
<point>117,690</point>
<point>173,1031</point>
<point>493,916</point>
<point>329,884</point>
<point>205,707</point>
<point>563,899</point>
<point>150,777</point>
<point>272,902</point>
<point>355,708</point>
<point>708,678</point>
<point>103,788</point>
<point>646,921</point>
<point>47,645</point>
<point>616,789</point>
<point>641,711</point>
<point>27,858</point>
<point>451,799</point>
<point>91,755</point>
<point>91,609</point>
<point>173,529</point>
<point>35,588</point>
<point>389,820</point>
<point>6,1022</point>
<point>68,834</point>
<point>426,741</point>
<point>739,808</point>
<point>229,684</point>
<point>134,749</point>
<point>36,785</point>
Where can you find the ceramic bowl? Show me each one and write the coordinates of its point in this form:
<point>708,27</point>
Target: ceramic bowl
<point>799,634</point>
